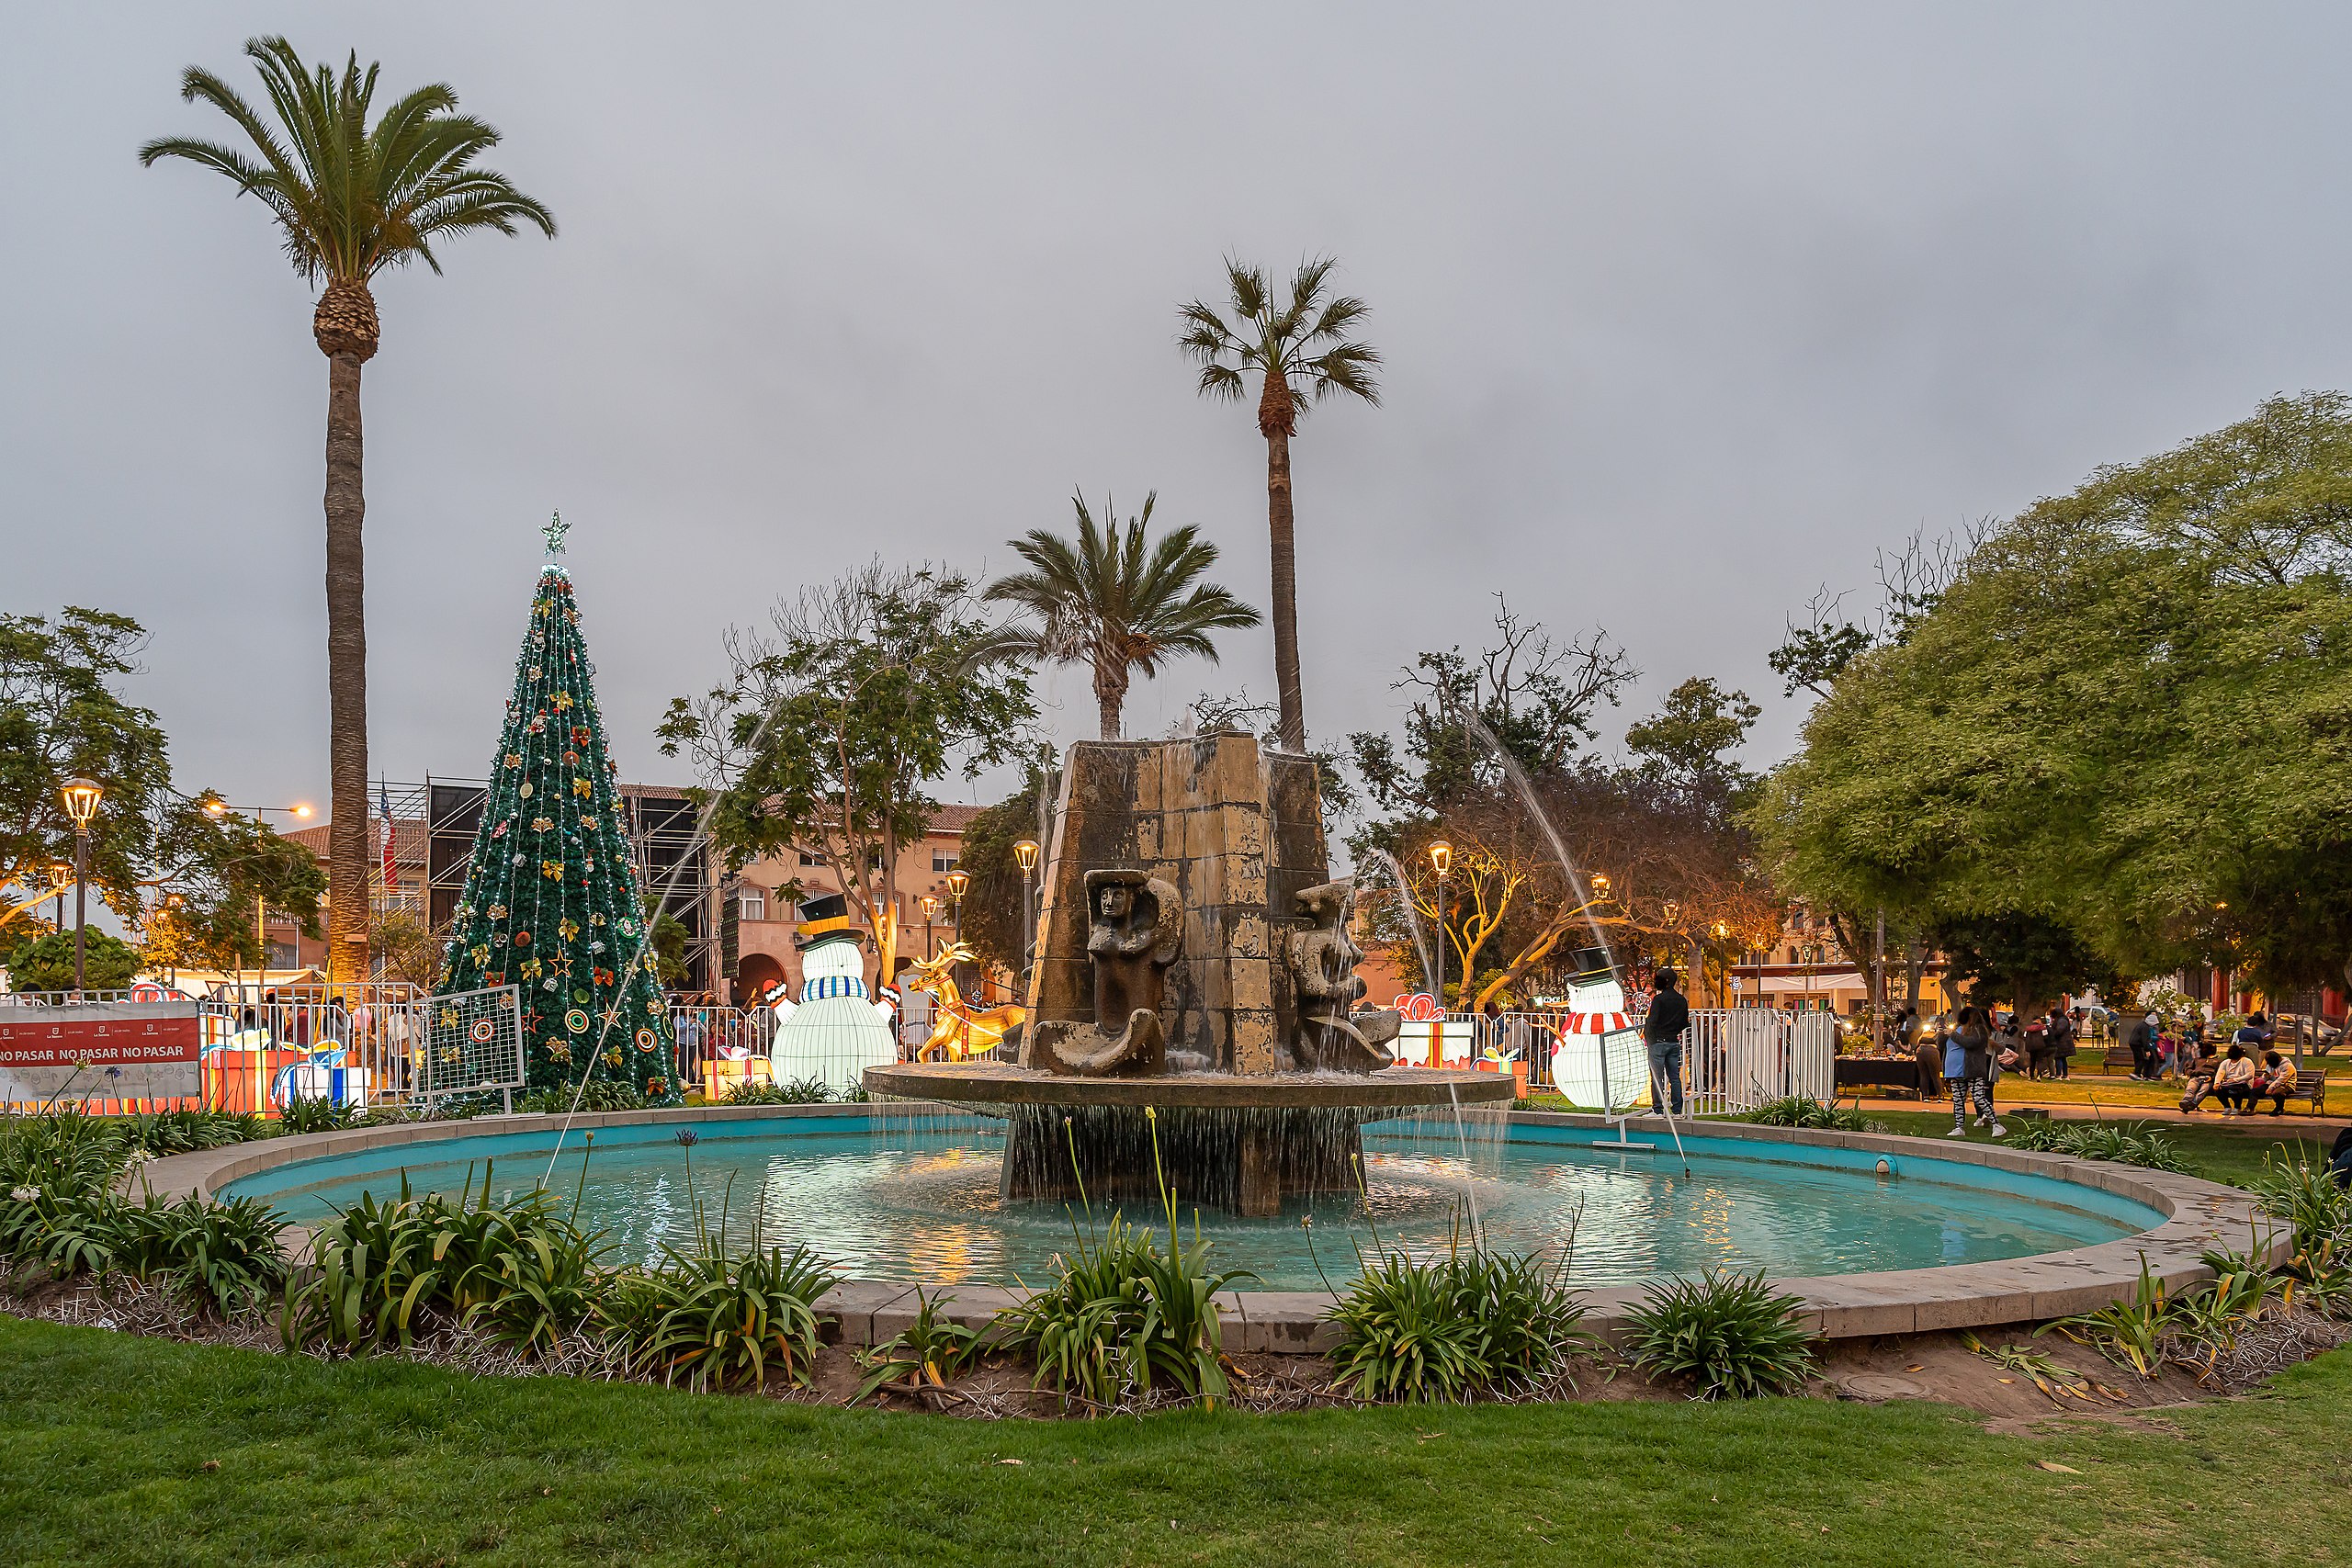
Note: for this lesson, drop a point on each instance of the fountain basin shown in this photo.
(1244, 1144)
(1888, 1257)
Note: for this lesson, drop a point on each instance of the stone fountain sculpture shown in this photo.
(1192, 1014)
(1134, 929)
(1330, 1035)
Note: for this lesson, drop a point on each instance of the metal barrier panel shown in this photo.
(1813, 1057)
(472, 1042)
(367, 1045)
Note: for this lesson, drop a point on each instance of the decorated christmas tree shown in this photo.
(552, 902)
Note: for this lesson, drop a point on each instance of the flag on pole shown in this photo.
(384, 831)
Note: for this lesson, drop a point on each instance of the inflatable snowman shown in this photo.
(1596, 1027)
(837, 1029)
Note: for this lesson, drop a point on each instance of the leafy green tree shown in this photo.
(350, 199)
(1115, 601)
(61, 716)
(2026, 959)
(1537, 698)
(2130, 715)
(46, 962)
(828, 731)
(1302, 351)
(1685, 740)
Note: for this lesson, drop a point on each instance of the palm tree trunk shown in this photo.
(348, 838)
(1279, 528)
(1110, 697)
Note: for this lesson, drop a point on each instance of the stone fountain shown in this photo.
(1192, 1006)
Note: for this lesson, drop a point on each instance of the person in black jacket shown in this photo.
(2339, 1158)
(1662, 1033)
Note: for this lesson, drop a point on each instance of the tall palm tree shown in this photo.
(1115, 601)
(350, 200)
(1301, 354)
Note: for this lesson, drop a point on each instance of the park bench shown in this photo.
(2311, 1084)
(2118, 1060)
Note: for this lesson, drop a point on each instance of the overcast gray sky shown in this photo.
(1686, 309)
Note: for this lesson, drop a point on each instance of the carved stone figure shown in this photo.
(1323, 959)
(1135, 926)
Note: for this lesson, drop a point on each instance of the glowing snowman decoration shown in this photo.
(1596, 1024)
(837, 1029)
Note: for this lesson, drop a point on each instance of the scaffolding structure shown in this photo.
(674, 866)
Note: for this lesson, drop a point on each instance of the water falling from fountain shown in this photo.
(1518, 779)
(1412, 919)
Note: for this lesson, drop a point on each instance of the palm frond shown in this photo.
(351, 198)
(1114, 597)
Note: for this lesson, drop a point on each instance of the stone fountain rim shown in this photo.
(2199, 1215)
(997, 1083)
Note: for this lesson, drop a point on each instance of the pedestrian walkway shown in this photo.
(2076, 1110)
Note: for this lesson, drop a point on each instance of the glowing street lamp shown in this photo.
(81, 797)
(930, 913)
(958, 880)
(217, 809)
(1025, 851)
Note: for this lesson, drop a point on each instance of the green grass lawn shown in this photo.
(104, 1438)
(2217, 1150)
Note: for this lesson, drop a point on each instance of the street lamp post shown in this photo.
(930, 913)
(61, 877)
(1025, 853)
(1441, 860)
(81, 797)
(958, 880)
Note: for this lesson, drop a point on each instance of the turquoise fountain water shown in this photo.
(884, 1198)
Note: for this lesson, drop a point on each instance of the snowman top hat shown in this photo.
(824, 920)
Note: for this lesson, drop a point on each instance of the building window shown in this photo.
(808, 859)
(943, 860)
(752, 904)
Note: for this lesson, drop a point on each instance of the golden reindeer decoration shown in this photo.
(961, 1029)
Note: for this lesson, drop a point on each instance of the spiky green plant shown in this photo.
(2129, 1333)
(1730, 1335)
(932, 1350)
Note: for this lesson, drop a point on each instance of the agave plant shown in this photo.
(375, 1271)
(931, 1351)
(2129, 1333)
(1729, 1334)
(709, 1318)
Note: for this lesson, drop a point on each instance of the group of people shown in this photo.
(2040, 1047)
(2241, 1077)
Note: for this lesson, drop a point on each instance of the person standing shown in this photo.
(2058, 1040)
(2139, 1039)
(1662, 1031)
(1968, 1063)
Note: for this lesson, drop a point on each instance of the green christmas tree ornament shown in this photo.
(552, 903)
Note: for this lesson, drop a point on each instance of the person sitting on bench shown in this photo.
(2276, 1081)
(2196, 1070)
(2233, 1082)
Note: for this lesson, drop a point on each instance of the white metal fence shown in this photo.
(1734, 1059)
